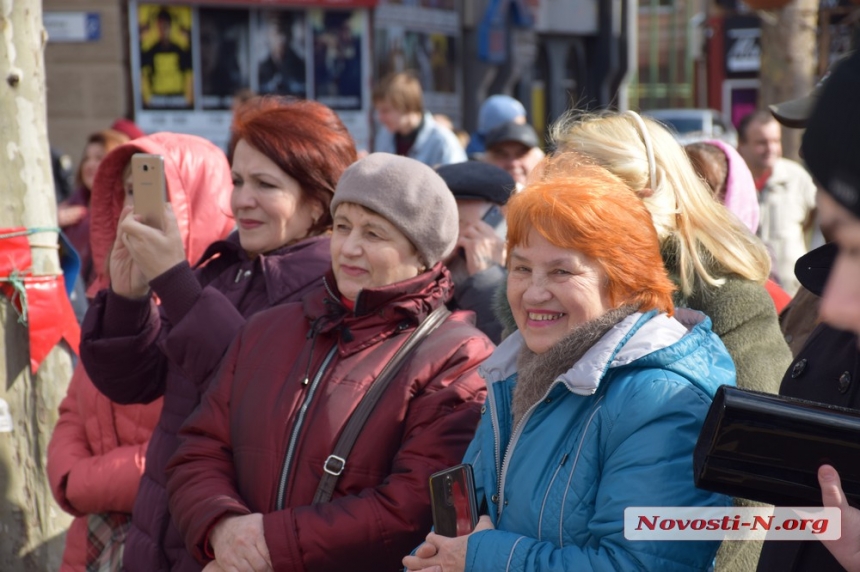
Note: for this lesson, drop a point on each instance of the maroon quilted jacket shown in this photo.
(236, 455)
(135, 353)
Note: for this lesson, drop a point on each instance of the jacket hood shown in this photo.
(741, 195)
(199, 183)
(683, 344)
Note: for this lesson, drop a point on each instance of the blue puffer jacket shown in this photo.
(616, 430)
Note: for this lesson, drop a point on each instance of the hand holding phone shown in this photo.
(150, 190)
(452, 498)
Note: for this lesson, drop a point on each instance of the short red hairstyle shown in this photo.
(586, 208)
(305, 139)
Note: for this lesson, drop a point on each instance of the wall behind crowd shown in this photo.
(87, 81)
(176, 66)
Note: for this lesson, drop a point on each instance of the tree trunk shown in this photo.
(32, 526)
(788, 60)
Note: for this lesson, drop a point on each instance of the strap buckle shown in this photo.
(334, 465)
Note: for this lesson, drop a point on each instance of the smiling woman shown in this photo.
(602, 371)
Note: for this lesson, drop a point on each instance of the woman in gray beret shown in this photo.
(245, 484)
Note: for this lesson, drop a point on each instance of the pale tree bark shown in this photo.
(32, 526)
(788, 60)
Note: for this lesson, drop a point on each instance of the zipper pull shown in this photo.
(238, 276)
(306, 381)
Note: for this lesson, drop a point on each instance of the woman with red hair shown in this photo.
(286, 158)
(595, 403)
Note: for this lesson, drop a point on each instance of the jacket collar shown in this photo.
(424, 131)
(380, 312)
(286, 270)
(632, 338)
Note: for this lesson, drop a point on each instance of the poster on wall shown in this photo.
(188, 63)
(337, 45)
(424, 38)
(166, 73)
(281, 53)
(428, 55)
(224, 56)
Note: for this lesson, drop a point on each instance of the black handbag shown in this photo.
(768, 448)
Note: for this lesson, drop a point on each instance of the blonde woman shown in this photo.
(718, 265)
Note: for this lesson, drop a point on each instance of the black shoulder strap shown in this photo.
(336, 462)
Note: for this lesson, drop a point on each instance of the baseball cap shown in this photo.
(518, 132)
(831, 142)
(498, 110)
(475, 180)
(795, 112)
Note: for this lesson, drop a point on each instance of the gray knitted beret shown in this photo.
(407, 193)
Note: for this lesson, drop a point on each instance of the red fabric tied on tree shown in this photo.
(51, 317)
(48, 311)
(14, 252)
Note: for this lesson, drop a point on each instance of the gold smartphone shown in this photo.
(150, 190)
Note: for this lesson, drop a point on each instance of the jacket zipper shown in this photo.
(297, 427)
(518, 430)
(328, 289)
(494, 418)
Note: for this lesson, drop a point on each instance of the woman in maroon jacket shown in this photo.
(243, 482)
(286, 159)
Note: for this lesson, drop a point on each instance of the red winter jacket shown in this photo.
(235, 448)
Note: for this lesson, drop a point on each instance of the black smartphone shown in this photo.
(493, 216)
(452, 498)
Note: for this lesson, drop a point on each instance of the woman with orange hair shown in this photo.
(595, 403)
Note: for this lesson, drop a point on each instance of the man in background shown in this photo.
(515, 148)
(494, 112)
(786, 194)
(477, 265)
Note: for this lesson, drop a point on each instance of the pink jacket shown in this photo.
(95, 458)
(97, 451)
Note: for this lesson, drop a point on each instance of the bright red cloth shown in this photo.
(779, 296)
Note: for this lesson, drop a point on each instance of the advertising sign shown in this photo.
(743, 46)
(189, 62)
(224, 55)
(166, 72)
(423, 38)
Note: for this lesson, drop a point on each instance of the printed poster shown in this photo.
(166, 72)
(224, 56)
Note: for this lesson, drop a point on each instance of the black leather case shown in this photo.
(768, 448)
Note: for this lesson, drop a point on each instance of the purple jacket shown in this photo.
(135, 352)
